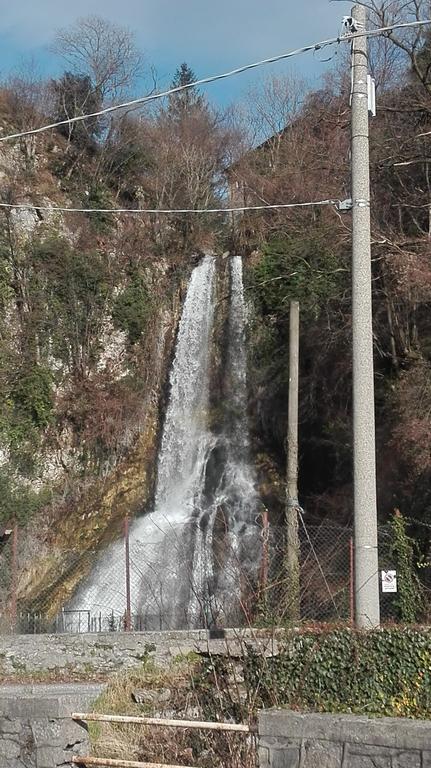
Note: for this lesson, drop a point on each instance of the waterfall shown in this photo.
(159, 541)
(239, 481)
(223, 570)
(181, 575)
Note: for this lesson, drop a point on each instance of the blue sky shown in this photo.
(211, 35)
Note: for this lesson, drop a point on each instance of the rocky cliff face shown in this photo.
(90, 310)
(226, 504)
(97, 517)
(93, 304)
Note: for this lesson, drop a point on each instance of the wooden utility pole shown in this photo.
(367, 609)
(292, 503)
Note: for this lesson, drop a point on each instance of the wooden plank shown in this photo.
(203, 725)
(108, 762)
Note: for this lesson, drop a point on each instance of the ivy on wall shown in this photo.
(386, 672)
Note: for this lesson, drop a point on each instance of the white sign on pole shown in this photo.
(389, 581)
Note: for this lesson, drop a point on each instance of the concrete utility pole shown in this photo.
(367, 609)
(292, 503)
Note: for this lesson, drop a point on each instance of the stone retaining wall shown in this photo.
(292, 740)
(36, 730)
(99, 655)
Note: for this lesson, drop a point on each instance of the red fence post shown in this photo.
(14, 578)
(128, 618)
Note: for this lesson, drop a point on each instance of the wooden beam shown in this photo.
(111, 763)
(203, 725)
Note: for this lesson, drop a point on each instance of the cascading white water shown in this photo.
(235, 499)
(244, 498)
(180, 575)
(159, 541)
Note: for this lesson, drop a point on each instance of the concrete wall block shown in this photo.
(28, 707)
(8, 725)
(264, 757)
(368, 761)
(410, 759)
(9, 748)
(78, 702)
(279, 742)
(370, 756)
(47, 732)
(15, 763)
(371, 749)
(361, 761)
(284, 758)
(38, 731)
(316, 754)
(398, 733)
(381, 732)
(49, 757)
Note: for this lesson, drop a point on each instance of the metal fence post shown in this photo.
(265, 555)
(14, 578)
(128, 617)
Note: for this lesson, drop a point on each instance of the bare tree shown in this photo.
(275, 103)
(305, 158)
(411, 42)
(104, 51)
(28, 100)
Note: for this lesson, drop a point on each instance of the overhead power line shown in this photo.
(168, 211)
(214, 78)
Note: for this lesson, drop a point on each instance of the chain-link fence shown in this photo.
(187, 577)
(325, 592)
(8, 577)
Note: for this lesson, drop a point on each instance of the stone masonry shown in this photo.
(293, 740)
(36, 730)
(99, 655)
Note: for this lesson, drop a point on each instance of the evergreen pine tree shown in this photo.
(188, 102)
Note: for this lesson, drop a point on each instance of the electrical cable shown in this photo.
(168, 211)
(214, 78)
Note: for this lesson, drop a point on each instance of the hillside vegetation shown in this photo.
(90, 301)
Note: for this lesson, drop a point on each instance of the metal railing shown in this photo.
(202, 725)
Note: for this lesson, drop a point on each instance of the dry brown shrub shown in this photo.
(177, 693)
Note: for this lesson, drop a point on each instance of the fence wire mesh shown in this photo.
(8, 578)
(238, 581)
(325, 583)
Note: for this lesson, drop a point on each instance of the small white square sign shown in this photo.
(389, 581)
